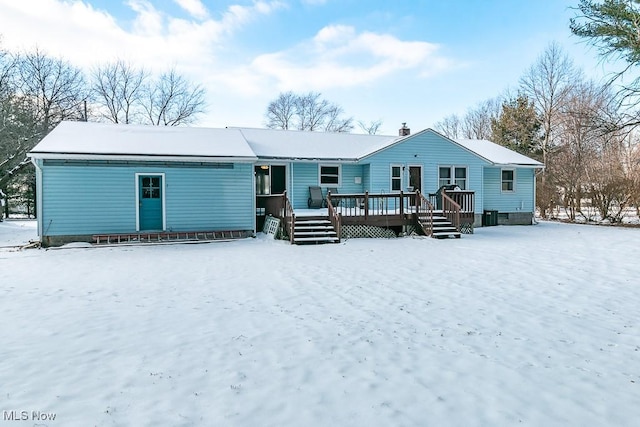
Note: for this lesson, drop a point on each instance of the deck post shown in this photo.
(366, 205)
(283, 210)
(401, 204)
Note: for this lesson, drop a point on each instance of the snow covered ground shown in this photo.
(17, 232)
(529, 325)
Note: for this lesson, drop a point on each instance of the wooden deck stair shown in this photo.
(442, 227)
(314, 230)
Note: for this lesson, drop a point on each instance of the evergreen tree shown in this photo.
(518, 126)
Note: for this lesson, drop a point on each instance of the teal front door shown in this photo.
(150, 202)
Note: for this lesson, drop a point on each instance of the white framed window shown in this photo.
(457, 175)
(330, 175)
(396, 177)
(508, 180)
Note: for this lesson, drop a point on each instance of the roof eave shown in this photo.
(141, 157)
(307, 159)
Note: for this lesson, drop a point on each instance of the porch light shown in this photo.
(264, 167)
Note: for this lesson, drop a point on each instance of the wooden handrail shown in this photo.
(424, 207)
(335, 217)
(451, 210)
(288, 216)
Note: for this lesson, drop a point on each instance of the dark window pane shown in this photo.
(329, 170)
(461, 172)
(146, 182)
(329, 180)
(146, 193)
(155, 182)
(395, 171)
(155, 193)
(507, 175)
(395, 185)
(445, 173)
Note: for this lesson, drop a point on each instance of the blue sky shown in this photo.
(395, 61)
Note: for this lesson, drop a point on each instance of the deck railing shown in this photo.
(424, 213)
(288, 216)
(335, 217)
(451, 210)
(366, 205)
(464, 198)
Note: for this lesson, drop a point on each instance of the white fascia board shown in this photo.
(63, 156)
(305, 160)
(517, 166)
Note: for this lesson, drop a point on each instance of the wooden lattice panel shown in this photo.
(466, 228)
(366, 231)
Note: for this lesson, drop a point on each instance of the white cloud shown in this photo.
(194, 7)
(86, 35)
(338, 56)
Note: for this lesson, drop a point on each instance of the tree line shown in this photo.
(575, 126)
(38, 91)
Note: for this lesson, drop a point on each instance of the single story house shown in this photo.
(105, 179)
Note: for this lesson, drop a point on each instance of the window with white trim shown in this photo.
(396, 177)
(457, 175)
(508, 180)
(329, 175)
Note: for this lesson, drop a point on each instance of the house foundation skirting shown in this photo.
(508, 218)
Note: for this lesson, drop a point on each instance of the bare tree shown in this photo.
(117, 89)
(476, 123)
(335, 122)
(309, 112)
(173, 101)
(281, 111)
(56, 88)
(548, 83)
(372, 128)
(7, 73)
(48, 90)
(578, 131)
(450, 126)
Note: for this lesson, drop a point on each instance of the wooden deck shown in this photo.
(380, 210)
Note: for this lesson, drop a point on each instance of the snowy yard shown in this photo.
(533, 325)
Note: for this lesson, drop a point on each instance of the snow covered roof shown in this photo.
(497, 154)
(291, 144)
(87, 139)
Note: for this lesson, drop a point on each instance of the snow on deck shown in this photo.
(532, 325)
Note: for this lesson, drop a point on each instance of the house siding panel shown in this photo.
(520, 200)
(306, 175)
(431, 151)
(81, 200)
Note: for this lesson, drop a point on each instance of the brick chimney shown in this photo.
(404, 130)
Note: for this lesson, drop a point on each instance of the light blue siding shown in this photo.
(431, 151)
(519, 200)
(306, 175)
(88, 199)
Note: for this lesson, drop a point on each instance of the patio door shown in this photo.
(270, 179)
(150, 203)
(415, 178)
